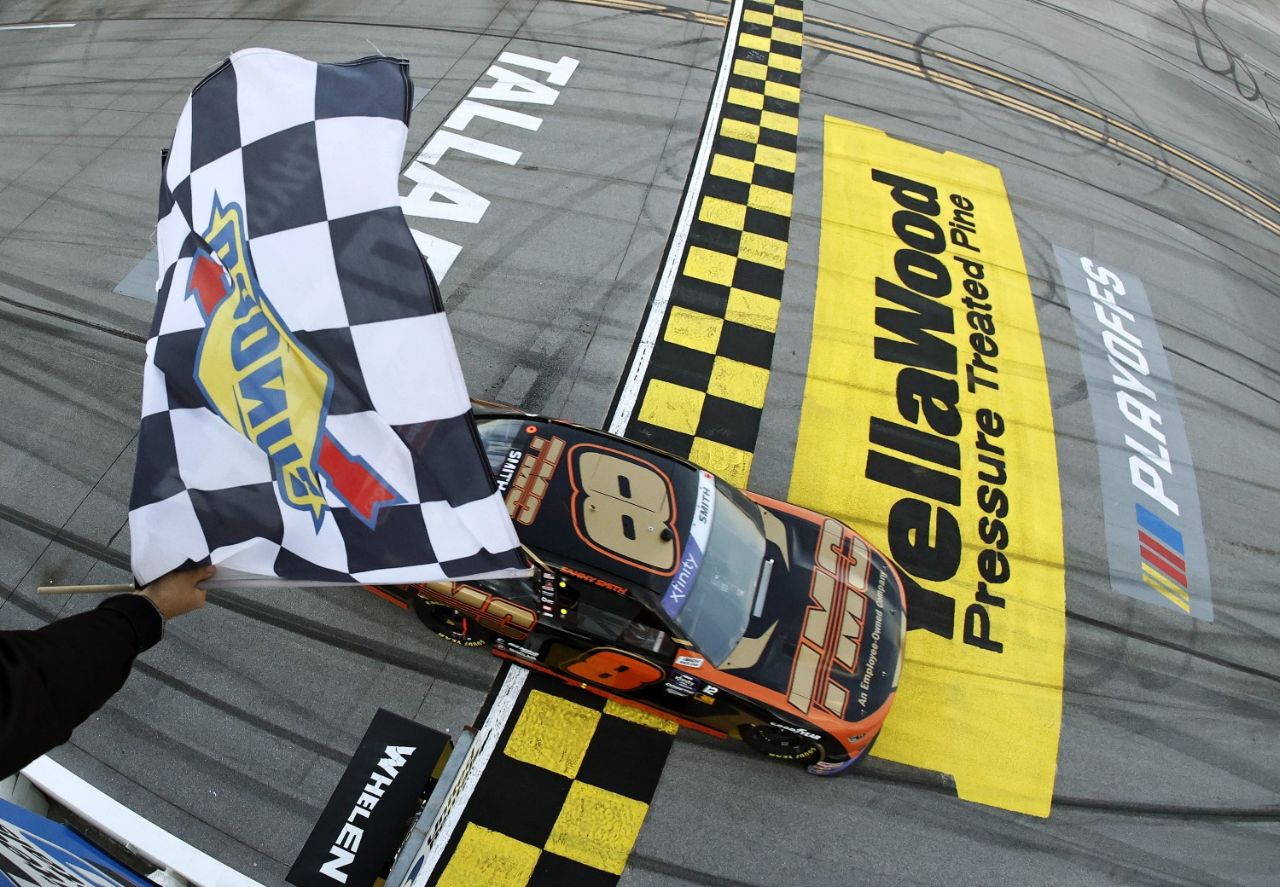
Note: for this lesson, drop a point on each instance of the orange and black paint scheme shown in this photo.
(788, 635)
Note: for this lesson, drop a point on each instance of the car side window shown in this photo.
(498, 436)
(610, 616)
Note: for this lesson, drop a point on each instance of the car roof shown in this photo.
(546, 468)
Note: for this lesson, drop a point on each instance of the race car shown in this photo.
(659, 585)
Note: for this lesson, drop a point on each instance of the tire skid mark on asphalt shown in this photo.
(379, 653)
(198, 759)
(389, 656)
(79, 85)
(1054, 95)
(1029, 109)
(1022, 106)
(683, 872)
(292, 737)
(194, 692)
(283, 619)
(351, 642)
(660, 10)
(77, 321)
(1265, 813)
(939, 783)
(883, 60)
(1174, 646)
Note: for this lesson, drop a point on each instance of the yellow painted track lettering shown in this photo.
(984, 705)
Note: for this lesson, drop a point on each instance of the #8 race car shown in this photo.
(659, 585)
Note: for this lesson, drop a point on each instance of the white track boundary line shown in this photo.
(486, 740)
(37, 27)
(679, 235)
(124, 825)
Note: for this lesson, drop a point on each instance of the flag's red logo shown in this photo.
(267, 385)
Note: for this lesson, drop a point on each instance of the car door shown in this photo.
(608, 637)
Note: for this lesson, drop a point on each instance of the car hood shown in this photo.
(829, 635)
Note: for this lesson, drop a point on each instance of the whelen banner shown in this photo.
(355, 838)
(926, 424)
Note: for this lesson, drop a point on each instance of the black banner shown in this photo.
(370, 810)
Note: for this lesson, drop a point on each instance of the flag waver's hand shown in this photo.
(178, 592)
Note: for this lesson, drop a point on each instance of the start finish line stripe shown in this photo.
(696, 382)
(561, 797)
(926, 424)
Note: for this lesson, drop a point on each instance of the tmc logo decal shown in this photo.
(267, 385)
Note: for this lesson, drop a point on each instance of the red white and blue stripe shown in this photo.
(1164, 566)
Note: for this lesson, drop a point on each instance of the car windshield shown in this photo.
(718, 607)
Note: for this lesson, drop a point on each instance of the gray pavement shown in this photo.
(231, 734)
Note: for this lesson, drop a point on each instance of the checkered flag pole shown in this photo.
(304, 416)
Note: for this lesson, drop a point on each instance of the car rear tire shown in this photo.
(865, 753)
(779, 744)
(826, 768)
(454, 627)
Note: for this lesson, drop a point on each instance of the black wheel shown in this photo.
(780, 744)
(454, 627)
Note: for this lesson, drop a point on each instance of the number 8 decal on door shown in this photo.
(614, 668)
(624, 508)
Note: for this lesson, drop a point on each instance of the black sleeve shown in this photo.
(52, 678)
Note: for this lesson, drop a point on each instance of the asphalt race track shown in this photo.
(1145, 133)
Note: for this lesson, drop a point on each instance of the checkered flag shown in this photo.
(304, 415)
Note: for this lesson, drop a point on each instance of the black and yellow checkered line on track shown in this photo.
(702, 392)
(1219, 185)
(564, 794)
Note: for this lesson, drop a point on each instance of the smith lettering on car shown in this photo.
(927, 396)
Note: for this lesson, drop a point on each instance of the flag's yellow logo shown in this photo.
(257, 375)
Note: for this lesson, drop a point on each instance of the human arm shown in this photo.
(53, 678)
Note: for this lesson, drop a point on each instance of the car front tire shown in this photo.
(779, 744)
(448, 623)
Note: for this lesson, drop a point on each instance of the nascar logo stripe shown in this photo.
(702, 391)
(1155, 538)
(1164, 569)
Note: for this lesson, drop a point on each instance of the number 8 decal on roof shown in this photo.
(624, 508)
